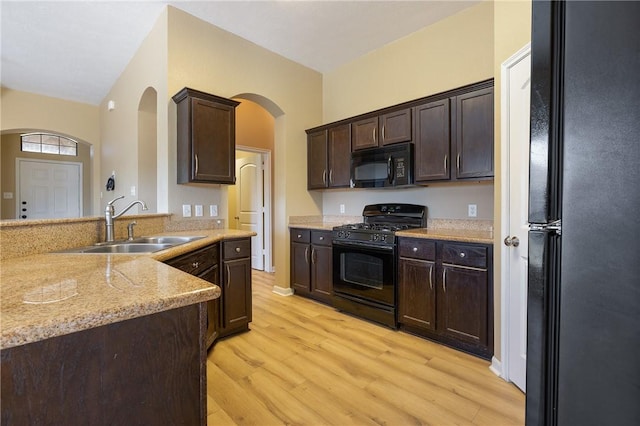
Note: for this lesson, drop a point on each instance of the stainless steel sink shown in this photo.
(163, 240)
(137, 245)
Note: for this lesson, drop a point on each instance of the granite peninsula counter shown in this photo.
(54, 294)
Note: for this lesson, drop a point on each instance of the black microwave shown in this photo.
(387, 166)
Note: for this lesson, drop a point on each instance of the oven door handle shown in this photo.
(364, 245)
(390, 171)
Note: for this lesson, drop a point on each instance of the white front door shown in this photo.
(48, 189)
(249, 204)
(518, 87)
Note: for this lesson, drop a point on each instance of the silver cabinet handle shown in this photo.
(228, 276)
(306, 254)
(458, 162)
(374, 134)
(321, 238)
(444, 280)
(415, 249)
(324, 176)
(299, 235)
(511, 241)
(431, 277)
(313, 256)
(463, 254)
(195, 264)
(196, 164)
(238, 250)
(330, 176)
(445, 163)
(383, 133)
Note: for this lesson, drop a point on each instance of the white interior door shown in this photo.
(48, 189)
(250, 204)
(518, 88)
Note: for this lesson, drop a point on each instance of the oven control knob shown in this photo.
(383, 238)
(347, 234)
(376, 237)
(340, 234)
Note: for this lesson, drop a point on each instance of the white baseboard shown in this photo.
(496, 367)
(282, 291)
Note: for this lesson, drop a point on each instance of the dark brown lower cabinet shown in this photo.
(143, 371)
(312, 264)
(236, 286)
(446, 293)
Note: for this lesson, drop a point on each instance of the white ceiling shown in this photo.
(77, 49)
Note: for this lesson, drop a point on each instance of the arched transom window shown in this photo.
(48, 143)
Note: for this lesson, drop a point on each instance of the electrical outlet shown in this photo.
(473, 210)
(198, 209)
(133, 191)
(342, 209)
(213, 210)
(186, 210)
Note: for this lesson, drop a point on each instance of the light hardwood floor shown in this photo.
(304, 363)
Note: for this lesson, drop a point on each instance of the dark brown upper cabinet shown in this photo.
(329, 157)
(206, 137)
(432, 141)
(385, 129)
(474, 134)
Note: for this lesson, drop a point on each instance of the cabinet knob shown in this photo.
(237, 249)
(462, 254)
(415, 249)
(195, 264)
(299, 235)
(321, 238)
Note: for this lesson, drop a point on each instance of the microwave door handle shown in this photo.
(390, 171)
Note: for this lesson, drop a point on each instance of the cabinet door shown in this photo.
(474, 134)
(322, 272)
(300, 270)
(364, 133)
(340, 156)
(236, 293)
(213, 306)
(463, 305)
(416, 293)
(317, 174)
(433, 142)
(213, 142)
(395, 127)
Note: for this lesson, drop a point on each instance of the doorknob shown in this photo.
(511, 241)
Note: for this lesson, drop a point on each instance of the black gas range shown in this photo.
(365, 261)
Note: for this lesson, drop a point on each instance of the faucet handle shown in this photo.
(130, 230)
(110, 203)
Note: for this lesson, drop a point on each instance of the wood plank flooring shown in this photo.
(305, 363)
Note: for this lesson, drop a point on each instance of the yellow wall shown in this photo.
(450, 53)
(119, 130)
(23, 111)
(210, 59)
(512, 29)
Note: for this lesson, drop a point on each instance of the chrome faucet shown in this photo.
(109, 215)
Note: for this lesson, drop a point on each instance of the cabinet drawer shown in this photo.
(417, 248)
(198, 261)
(236, 249)
(300, 235)
(465, 255)
(321, 238)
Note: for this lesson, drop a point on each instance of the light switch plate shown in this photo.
(473, 210)
(342, 209)
(213, 210)
(186, 210)
(198, 209)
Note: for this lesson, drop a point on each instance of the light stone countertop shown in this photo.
(53, 294)
(470, 231)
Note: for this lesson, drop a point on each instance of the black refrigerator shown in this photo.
(583, 308)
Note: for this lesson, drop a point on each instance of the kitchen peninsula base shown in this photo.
(146, 370)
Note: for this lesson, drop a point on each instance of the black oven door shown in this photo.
(364, 272)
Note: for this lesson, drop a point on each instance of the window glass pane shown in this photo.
(31, 147)
(50, 149)
(68, 150)
(67, 142)
(31, 138)
(51, 140)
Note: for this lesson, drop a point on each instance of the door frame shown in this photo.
(265, 156)
(501, 368)
(20, 160)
